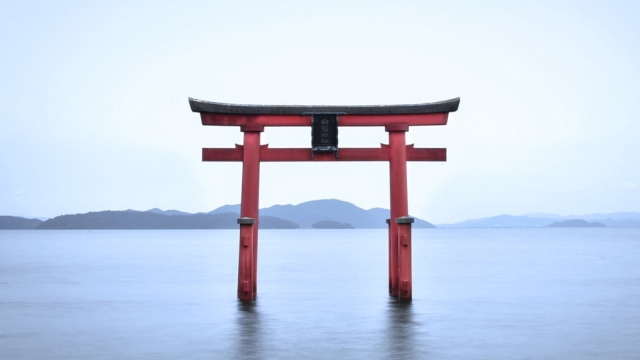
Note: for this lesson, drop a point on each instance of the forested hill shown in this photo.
(332, 210)
(18, 223)
(151, 220)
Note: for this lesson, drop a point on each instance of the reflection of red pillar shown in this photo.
(249, 207)
(399, 201)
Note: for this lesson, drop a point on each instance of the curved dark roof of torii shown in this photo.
(202, 106)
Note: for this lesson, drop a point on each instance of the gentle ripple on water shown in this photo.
(478, 294)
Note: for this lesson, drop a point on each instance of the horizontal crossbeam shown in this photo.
(304, 154)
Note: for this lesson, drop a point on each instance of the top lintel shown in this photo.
(201, 106)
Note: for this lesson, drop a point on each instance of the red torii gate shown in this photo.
(323, 121)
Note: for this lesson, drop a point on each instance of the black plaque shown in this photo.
(324, 133)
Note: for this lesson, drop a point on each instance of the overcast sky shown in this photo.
(94, 112)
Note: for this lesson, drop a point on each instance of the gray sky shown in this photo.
(94, 112)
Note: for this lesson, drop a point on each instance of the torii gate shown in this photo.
(323, 121)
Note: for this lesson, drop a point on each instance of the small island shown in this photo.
(330, 225)
(575, 223)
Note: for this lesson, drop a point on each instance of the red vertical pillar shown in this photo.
(399, 200)
(391, 271)
(246, 262)
(249, 209)
(405, 286)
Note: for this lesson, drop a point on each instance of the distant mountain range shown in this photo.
(311, 214)
(544, 220)
(321, 213)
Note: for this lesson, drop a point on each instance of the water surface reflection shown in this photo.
(480, 293)
(402, 329)
(249, 342)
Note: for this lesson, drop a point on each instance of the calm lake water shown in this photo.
(322, 294)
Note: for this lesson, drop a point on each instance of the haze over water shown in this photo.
(478, 294)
